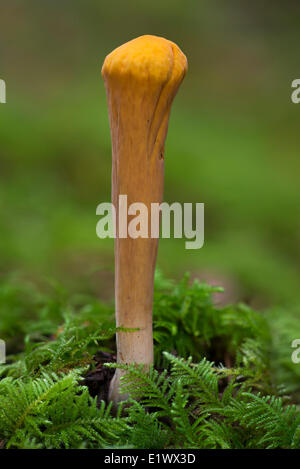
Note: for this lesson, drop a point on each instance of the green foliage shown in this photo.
(55, 333)
(196, 410)
(224, 397)
(53, 412)
(186, 321)
(284, 325)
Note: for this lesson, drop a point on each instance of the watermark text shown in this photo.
(2, 91)
(2, 352)
(137, 221)
(295, 96)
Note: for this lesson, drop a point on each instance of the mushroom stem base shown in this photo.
(133, 347)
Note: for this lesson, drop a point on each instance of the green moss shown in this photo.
(214, 384)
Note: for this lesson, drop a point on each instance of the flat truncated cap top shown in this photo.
(149, 58)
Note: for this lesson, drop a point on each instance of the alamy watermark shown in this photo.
(2, 91)
(295, 96)
(134, 221)
(296, 353)
(2, 352)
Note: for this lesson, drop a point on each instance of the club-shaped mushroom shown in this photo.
(141, 80)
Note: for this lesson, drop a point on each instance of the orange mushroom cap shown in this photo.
(147, 58)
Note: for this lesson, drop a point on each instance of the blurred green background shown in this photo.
(232, 141)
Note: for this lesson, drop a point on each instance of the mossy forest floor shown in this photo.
(223, 377)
